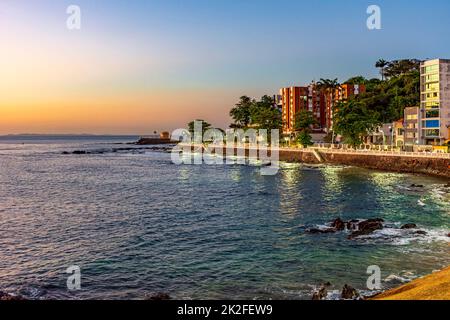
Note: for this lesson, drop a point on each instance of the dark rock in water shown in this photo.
(65, 152)
(421, 232)
(7, 297)
(321, 294)
(417, 186)
(155, 141)
(352, 224)
(409, 226)
(366, 227)
(338, 224)
(349, 293)
(79, 152)
(448, 235)
(158, 296)
(321, 231)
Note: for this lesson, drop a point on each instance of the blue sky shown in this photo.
(227, 47)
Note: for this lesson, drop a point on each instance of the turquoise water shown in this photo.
(135, 224)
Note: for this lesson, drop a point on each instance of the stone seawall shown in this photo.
(423, 165)
(435, 166)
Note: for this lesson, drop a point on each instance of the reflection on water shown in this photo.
(332, 183)
(136, 223)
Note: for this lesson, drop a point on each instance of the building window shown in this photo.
(432, 68)
(432, 114)
(432, 133)
(432, 124)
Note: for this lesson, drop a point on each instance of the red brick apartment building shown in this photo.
(319, 101)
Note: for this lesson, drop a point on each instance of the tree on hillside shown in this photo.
(241, 113)
(353, 120)
(371, 84)
(398, 68)
(356, 80)
(381, 64)
(389, 98)
(303, 122)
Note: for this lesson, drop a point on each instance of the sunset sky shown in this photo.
(138, 66)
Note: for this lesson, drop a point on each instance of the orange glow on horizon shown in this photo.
(138, 113)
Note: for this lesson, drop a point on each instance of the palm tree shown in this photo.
(329, 86)
(381, 64)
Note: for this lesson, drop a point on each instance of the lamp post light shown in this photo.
(391, 131)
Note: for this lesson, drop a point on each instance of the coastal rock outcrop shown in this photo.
(366, 227)
(338, 224)
(356, 228)
(349, 293)
(409, 226)
(158, 296)
(321, 294)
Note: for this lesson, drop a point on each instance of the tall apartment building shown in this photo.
(434, 115)
(294, 99)
(315, 99)
(317, 105)
(411, 126)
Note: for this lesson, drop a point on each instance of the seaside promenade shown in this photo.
(429, 163)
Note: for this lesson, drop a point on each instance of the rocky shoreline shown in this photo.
(358, 228)
(433, 287)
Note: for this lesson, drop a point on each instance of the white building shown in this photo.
(434, 112)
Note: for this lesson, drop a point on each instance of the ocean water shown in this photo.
(137, 224)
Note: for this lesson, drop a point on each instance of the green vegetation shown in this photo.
(328, 85)
(241, 113)
(383, 102)
(205, 126)
(381, 64)
(250, 113)
(353, 120)
(303, 122)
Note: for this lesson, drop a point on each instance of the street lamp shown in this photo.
(392, 135)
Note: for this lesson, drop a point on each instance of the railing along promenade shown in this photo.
(342, 149)
(336, 149)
